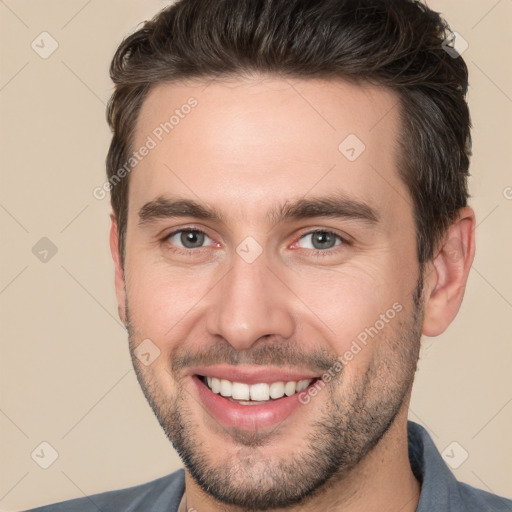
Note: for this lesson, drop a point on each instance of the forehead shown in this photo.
(251, 143)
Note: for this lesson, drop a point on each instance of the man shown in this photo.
(288, 182)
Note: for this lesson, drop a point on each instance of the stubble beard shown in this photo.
(354, 419)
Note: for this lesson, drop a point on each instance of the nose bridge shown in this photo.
(250, 302)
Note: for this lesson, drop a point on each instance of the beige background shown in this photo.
(66, 377)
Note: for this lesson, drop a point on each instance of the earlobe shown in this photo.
(448, 274)
(118, 270)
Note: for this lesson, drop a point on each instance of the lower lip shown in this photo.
(246, 417)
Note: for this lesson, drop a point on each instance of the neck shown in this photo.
(382, 482)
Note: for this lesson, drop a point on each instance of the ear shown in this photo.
(448, 274)
(118, 269)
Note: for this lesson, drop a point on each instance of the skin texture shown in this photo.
(250, 146)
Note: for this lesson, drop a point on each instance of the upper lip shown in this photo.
(252, 374)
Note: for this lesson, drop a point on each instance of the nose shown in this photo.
(250, 302)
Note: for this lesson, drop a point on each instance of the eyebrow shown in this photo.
(332, 206)
(164, 208)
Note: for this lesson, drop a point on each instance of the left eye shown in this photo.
(320, 240)
(189, 238)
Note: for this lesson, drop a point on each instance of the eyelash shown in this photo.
(326, 252)
(316, 252)
(183, 250)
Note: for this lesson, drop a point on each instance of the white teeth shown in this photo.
(277, 390)
(215, 385)
(260, 392)
(241, 391)
(290, 388)
(302, 385)
(225, 388)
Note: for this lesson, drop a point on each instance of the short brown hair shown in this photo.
(398, 44)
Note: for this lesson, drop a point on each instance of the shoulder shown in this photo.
(165, 491)
(477, 500)
(440, 490)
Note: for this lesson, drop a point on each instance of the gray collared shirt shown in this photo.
(440, 491)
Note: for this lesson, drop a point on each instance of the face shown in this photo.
(271, 275)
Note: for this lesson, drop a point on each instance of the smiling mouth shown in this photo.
(254, 394)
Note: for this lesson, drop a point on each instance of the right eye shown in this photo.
(188, 238)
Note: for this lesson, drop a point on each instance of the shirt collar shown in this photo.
(439, 488)
(438, 485)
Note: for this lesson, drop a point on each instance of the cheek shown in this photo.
(162, 300)
(358, 303)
